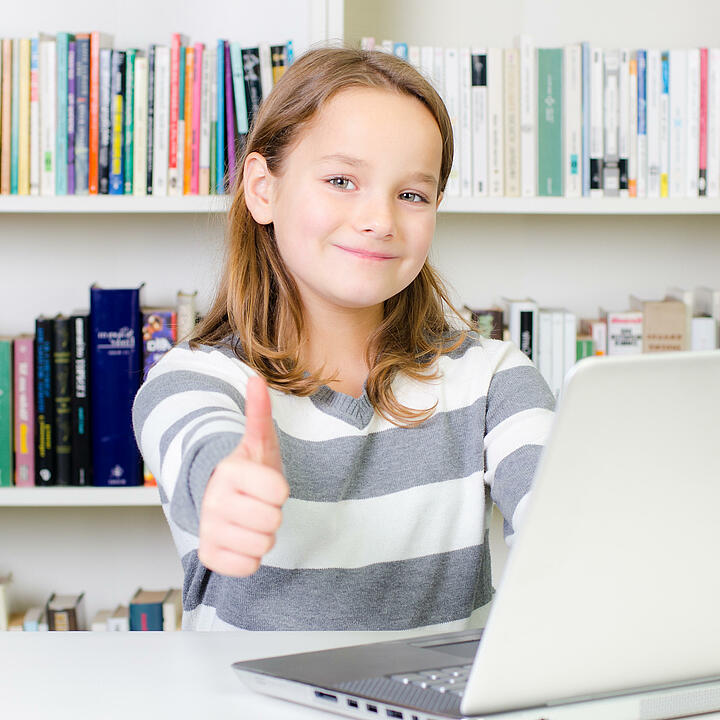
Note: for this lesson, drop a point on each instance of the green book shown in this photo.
(129, 124)
(584, 348)
(213, 152)
(550, 119)
(6, 413)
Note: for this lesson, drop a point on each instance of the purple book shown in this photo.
(71, 118)
(230, 116)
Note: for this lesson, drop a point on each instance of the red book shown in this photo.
(702, 160)
(197, 106)
(189, 87)
(24, 409)
(174, 181)
(97, 40)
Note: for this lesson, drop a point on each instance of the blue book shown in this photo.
(642, 166)
(220, 144)
(116, 172)
(15, 104)
(115, 374)
(401, 50)
(238, 76)
(586, 118)
(146, 610)
(61, 137)
(290, 59)
(82, 113)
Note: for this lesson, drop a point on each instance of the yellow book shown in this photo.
(24, 119)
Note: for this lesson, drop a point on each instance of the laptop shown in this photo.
(610, 599)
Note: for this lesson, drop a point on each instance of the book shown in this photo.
(572, 120)
(707, 302)
(105, 121)
(664, 129)
(6, 411)
(521, 317)
(66, 612)
(44, 402)
(100, 621)
(48, 113)
(611, 108)
(115, 362)
(129, 122)
(159, 334)
(451, 97)
(161, 120)
(702, 333)
(172, 610)
(15, 622)
(24, 407)
(278, 58)
(177, 41)
(146, 610)
(35, 620)
(478, 95)
(550, 120)
(117, 123)
(119, 621)
(15, 104)
(642, 147)
(664, 324)
(5, 581)
(230, 138)
(489, 321)
(82, 113)
(98, 41)
(200, 59)
(528, 116)
(189, 99)
(81, 466)
(545, 345)
(220, 167)
(72, 89)
(206, 111)
(465, 122)
(140, 125)
(678, 121)
(692, 152)
(596, 122)
(6, 120)
(624, 332)
(62, 439)
(654, 91)
(702, 155)
(633, 129)
(624, 133)
(496, 141)
(24, 119)
(150, 125)
(511, 118)
(584, 347)
(186, 314)
(61, 141)
(242, 117)
(713, 123)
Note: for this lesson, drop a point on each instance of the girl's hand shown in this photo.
(240, 511)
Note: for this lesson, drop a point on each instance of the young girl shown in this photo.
(327, 445)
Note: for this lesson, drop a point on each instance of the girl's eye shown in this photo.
(341, 182)
(413, 197)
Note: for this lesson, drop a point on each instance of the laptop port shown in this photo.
(372, 708)
(353, 703)
(325, 696)
(394, 714)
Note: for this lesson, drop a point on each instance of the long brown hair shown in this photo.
(258, 311)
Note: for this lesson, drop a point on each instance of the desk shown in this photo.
(139, 675)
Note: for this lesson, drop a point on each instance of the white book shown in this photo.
(713, 125)
(452, 103)
(611, 122)
(414, 56)
(172, 610)
(703, 334)
(654, 77)
(5, 581)
(624, 332)
(496, 140)
(367, 43)
(686, 296)
(161, 123)
(35, 122)
(511, 120)
(119, 621)
(569, 342)
(522, 321)
(572, 119)
(558, 346)
(479, 123)
(545, 345)
(465, 123)
(678, 121)
(693, 122)
(633, 129)
(140, 110)
(596, 122)
(528, 117)
(664, 123)
(386, 46)
(209, 59)
(624, 133)
(100, 621)
(642, 158)
(266, 74)
(47, 58)
(427, 63)
(175, 174)
(707, 302)
(439, 70)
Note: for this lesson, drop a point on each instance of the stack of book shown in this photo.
(577, 120)
(79, 117)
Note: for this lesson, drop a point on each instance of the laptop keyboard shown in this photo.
(445, 680)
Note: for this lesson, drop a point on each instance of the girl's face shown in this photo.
(354, 206)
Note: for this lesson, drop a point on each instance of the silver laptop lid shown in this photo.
(614, 579)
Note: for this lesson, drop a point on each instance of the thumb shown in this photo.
(260, 443)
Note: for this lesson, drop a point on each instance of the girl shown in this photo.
(327, 380)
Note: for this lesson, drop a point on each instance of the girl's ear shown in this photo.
(257, 183)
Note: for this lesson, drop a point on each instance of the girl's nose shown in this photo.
(376, 219)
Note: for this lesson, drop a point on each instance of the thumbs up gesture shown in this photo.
(240, 511)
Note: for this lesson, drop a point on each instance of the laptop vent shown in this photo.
(678, 704)
(391, 691)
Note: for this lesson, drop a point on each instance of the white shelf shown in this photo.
(104, 204)
(78, 496)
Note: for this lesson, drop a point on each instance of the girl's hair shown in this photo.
(257, 310)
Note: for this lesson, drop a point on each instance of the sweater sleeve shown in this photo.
(519, 415)
(187, 416)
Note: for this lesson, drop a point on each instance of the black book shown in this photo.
(253, 87)
(44, 406)
(61, 385)
(80, 402)
(151, 117)
(104, 121)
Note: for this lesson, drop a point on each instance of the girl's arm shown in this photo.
(518, 418)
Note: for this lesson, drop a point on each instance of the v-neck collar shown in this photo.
(355, 411)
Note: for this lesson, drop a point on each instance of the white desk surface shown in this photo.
(138, 675)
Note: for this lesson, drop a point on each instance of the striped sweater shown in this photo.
(386, 528)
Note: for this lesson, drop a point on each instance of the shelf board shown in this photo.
(104, 204)
(78, 496)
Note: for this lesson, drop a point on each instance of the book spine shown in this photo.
(238, 81)
(6, 412)
(452, 102)
(24, 386)
(266, 70)
(61, 138)
(82, 115)
(24, 119)
(48, 116)
(44, 403)
(140, 112)
(611, 163)
(80, 402)
(253, 86)
(220, 121)
(34, 117)
(511, 117)
(94, 115)
(212, 179)
(693, 122)
(702, 155)
(277, 57)
(180, 142)
(63, 417)
(197, 119)
(438, 73)
(6, 128)
(596, 123)
(117, 124)
(557, 343)
(150, 121)
(713, 124)
(654, 79)
(528, 117)
(173, 177)
(624, 128)
(572, 129)
(229, 119)
(15, 100)
(115, 362)
(479, 120)
(188, 114)
(204, 170)
(545, 339)
(161, 120)
(632, 131)
(642, 166)
(550, 111)
(146, 617)
(105, 126)
(496, 141)
(665, 125)
(678, 122)
(466, 124)
(129, 122)
(72, 91)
